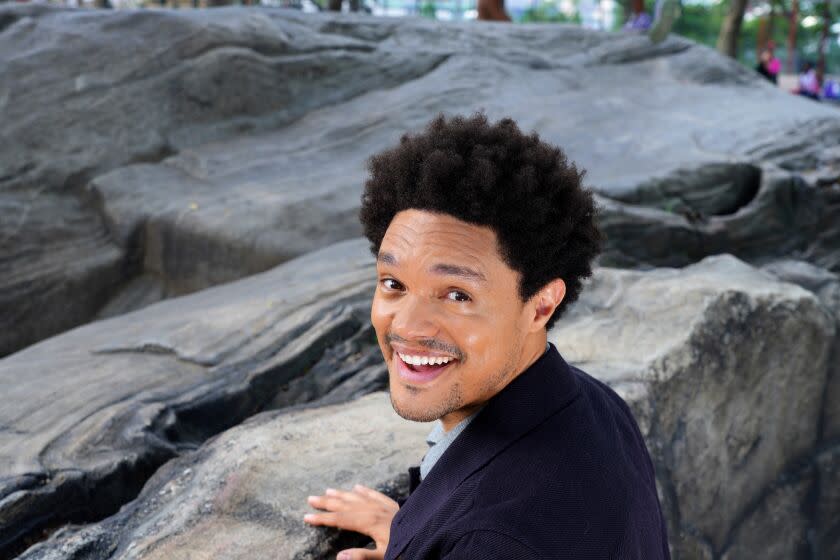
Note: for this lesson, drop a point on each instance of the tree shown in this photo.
(492, 10)
(826, 24)
(793, 26)
(730, 31)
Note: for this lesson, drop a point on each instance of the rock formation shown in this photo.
(197, 148)
(89, 415)
(150, 155)
(243, 495)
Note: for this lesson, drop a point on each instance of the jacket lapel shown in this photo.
(540, 391)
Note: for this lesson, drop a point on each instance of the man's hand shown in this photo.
(363, 510)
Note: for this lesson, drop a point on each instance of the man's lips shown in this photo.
(423, 373)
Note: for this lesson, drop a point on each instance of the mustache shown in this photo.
(430, 343)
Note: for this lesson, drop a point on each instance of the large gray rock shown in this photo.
(243, 495)
(828, 504)
(87, 417)
(702, 355)
(826, 286)
(778, 527)
(724, 367)
(239, 140)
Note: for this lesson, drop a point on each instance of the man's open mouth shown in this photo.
(423, 368)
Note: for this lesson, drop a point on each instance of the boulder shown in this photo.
(88, 416)
(826, 286)
(703, 356)
(778, 527)
(243, 495)
(828, 504)
(237, 138)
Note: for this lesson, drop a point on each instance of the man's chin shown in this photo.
(412, 411)
(416, 405)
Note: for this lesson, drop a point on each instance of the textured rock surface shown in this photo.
(828, 504)
(702, 355)
(238, 140)
(243, 495)
(778, 528)
(87, 416)
(826, 286)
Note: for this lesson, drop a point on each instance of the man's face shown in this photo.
(448, 316)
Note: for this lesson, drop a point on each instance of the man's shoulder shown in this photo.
(585, 469)
(591, 449)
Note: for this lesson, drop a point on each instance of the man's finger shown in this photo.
(359, 554)
(352, 521)
(378, 496)
(341, 494)
(329, 503)
(322, 519)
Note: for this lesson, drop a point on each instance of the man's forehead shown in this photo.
(440, 233)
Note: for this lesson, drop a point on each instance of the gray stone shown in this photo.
(87, 416)
(57, 263)
(828, 504)
(826, 286)
(239, 140)
(243, 495)
(778, 527)
(702, 355)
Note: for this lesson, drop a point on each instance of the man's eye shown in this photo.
(456, 295)
(391, 284)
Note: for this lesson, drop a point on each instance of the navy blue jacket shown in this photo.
(553, 467)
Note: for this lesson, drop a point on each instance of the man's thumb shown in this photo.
(359, 554)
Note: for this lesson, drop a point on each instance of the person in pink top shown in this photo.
(768, 65)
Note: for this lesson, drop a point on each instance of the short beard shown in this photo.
(453, 401)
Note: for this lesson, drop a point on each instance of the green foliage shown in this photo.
(547, 12)
(702, 22)
(428, 9)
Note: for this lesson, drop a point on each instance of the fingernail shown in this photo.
(331, 491)
(309, 517)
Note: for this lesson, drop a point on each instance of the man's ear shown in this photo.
(545, 302)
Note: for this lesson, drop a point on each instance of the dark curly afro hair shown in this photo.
(492, 175)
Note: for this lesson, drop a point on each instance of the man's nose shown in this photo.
(415, 318)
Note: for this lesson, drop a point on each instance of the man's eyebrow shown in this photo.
(457, 270)
(386, 258)
(442, 269)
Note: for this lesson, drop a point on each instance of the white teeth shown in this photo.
(425, 360)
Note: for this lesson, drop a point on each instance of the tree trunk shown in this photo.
(637, 7)
(334, 5)
(761, 35)
(730, 30)
(793, 23)
(823, 41)
(492, 10)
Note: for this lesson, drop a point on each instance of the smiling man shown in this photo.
(483, 235)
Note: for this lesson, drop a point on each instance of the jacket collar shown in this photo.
(537, 393)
